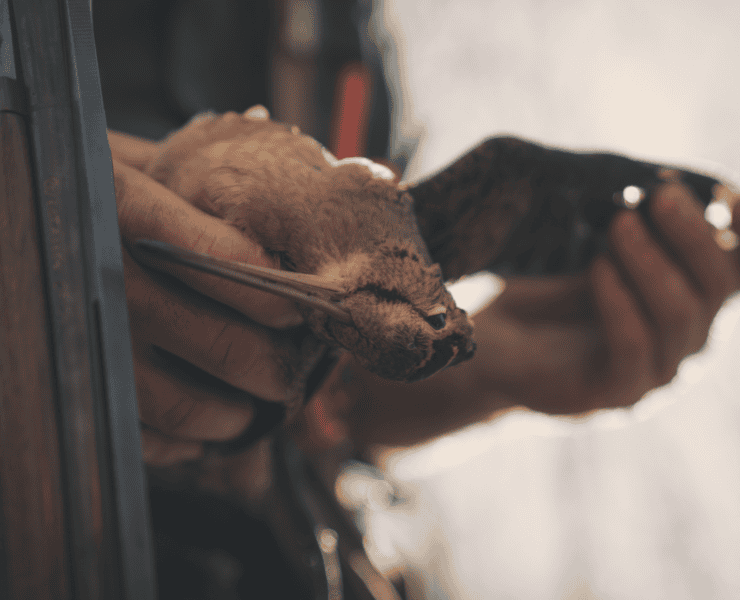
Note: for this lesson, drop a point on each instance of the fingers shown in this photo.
(680, 219)
(160, 451)
(147, 209)
(670, 302)
(133, 151)
(626, 366)
(188, 406)
(165, 314)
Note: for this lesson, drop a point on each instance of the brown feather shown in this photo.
(329, 218)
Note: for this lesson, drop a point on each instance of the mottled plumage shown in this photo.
(508, 206)
(345, 220)
(514, 207)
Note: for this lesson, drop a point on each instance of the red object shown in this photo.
(351, 111)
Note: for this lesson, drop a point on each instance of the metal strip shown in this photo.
(102, 246)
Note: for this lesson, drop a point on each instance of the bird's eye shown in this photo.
(437, 321)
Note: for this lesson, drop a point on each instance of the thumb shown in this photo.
(147, 209)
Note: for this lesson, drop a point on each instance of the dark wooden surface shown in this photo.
(32, 526)
(84, 466)
(40, 30)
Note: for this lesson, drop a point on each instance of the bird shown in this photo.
(368, 258)
(516, 207)
(344, 232)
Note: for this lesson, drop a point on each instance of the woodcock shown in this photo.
(367, 258)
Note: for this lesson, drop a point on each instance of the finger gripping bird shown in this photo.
(343, 231)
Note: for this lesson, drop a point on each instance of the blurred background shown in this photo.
(628, 504)
(641, 503)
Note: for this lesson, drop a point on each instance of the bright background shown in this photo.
(641, 503)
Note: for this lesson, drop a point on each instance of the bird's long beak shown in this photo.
(320, 293)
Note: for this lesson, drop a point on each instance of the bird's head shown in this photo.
(405, 324)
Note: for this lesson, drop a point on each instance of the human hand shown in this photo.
(606, 339)
(203, 347)
(560, 345)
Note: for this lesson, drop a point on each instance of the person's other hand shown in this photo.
(606, 340)
(203, 347)
(560, 345)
